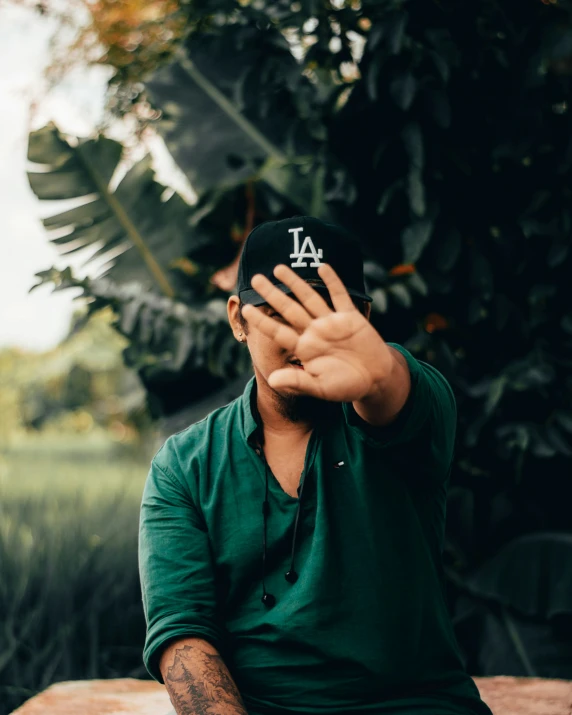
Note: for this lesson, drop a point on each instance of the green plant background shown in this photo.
(440, 136)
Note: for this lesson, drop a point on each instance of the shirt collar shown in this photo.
(250, 417)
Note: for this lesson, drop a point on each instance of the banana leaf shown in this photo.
(532, 575)
(229, 114)
(137, 234)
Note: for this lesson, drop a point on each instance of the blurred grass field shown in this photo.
(70, 604)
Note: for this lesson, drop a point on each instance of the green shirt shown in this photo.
(365, 628)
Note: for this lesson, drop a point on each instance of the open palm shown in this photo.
(343, 356)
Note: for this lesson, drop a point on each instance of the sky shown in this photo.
(36, 321)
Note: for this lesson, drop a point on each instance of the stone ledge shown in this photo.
(127, 696)
(526, 696)
(122, 696)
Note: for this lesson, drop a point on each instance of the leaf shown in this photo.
(413, 143)
(448, 250)
(531, 574)
(376, 35)
(518, 646)
(133, 220)
(540, 447)
(386, 196)
(525, 376)
(417, 283)
(219, 141)
(81, 216)
(395, 33)
(441, 65)
(414, 239)
(379, 298)
(402, 90)
(416, 192)
(496, 391)
(515, 435)
(558, 441)
(510, 625)
(48, 147)
(374, 272)
(401, 294)
(372, 77)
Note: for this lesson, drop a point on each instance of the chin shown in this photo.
(285, 393)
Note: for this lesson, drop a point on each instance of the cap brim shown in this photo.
(251, 297)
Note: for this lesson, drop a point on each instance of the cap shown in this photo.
(303, 243)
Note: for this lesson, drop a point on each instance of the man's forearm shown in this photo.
(198, 681)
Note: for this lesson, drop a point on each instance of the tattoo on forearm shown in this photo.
(199, 683)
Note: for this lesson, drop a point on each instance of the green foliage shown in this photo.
(137, 232)
(166, 337)
(256, 133)
(80, 386)
(70, 602)
(440, 136)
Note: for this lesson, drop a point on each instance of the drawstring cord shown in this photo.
(267, 598)
(291, 575)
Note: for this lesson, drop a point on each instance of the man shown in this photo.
(290, 547)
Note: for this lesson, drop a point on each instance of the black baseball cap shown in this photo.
(303, 243)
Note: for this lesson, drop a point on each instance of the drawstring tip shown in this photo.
(268, 600)
(291, 576)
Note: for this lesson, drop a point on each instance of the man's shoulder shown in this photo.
(197, 439)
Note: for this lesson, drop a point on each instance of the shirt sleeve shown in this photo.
(426, 425)
(175, 566)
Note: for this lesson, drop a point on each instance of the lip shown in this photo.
(294, 364)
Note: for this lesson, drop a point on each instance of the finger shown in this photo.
(295, 380)
(341, 299)
(308, 297)
(284, 335)
(289, 309)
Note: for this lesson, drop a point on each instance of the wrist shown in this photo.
(388, 393)
(386, 369)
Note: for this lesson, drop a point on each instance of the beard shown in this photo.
(300, 408)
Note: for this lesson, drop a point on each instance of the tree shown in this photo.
(440, 136)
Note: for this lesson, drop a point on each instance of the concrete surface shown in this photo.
(504, 695)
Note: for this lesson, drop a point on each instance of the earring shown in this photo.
(240, 338)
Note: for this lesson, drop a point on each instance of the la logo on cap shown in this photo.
(308, 251)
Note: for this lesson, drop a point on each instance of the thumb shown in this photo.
(299, 381)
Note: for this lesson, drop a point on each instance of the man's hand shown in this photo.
(344, 358)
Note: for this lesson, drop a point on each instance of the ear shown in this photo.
(232, 307)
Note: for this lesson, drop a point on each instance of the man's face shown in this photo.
(267, 355)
